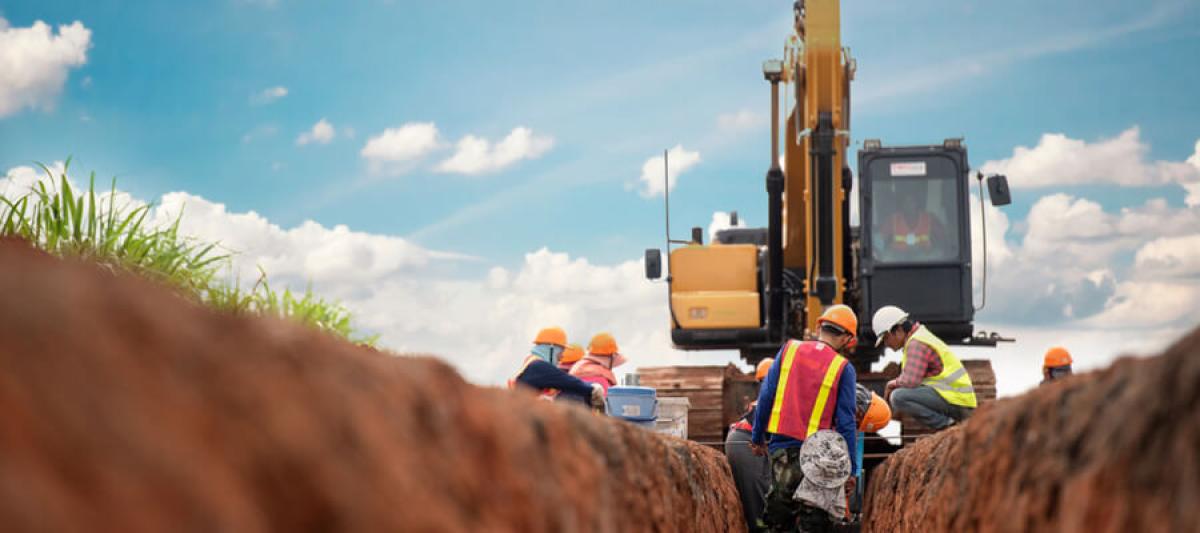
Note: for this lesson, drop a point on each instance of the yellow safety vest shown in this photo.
(953, 383)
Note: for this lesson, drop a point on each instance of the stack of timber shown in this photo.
(718, 395)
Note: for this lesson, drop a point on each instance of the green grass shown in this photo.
(99, 228)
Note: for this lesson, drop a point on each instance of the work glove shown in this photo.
(597, 398)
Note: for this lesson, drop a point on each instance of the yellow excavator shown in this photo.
(753, 288)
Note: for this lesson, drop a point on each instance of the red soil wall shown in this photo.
(124, 407)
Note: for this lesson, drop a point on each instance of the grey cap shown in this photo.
(825, 463)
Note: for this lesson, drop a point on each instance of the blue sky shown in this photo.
(170, 98)
(171, 85)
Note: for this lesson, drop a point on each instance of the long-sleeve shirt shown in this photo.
(920, 362)
(844, 421)
(542, 375)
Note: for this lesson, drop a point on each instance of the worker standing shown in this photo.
(751, 472)
(809, 388)
(539, 372)
(597, 366)
(1056, 365)
(933, 386)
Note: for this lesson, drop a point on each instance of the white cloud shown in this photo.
(1170, 257)
(269, 95)
(722, 220)
(35, 62)
(1193, 189)
(1122, 160)
(482, 323)
(309, 251)
(740, 120)
(322, 132)
(494, 318)
(1066, 267)
(679, 159)
(396, 147)
(476, 155)
(1074, 261)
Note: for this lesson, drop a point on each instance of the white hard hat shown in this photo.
(886, 318)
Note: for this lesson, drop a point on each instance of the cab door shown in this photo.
(915, 227)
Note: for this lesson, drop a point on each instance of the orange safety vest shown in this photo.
(806, 394)
(591, 370)
(918, 236)
(545, 394)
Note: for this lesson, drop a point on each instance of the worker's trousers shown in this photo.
(928, 407)
(751, 475)
(783, 512)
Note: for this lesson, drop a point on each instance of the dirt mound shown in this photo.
(124, 407)
(1116, 450)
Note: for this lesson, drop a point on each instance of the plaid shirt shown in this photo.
(922, 362)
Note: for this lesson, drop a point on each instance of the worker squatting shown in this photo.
(795, 453)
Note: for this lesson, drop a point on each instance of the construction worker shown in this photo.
(912, 230)
(570, 356)
(871, 410)
(596, 367)
(1056, 365)
(751, 472)
(809, 388)
(539, 372)
(933, 386)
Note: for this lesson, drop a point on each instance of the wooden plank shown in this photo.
(681, 382)
(697, 399)
(705, 422)
(667, 378)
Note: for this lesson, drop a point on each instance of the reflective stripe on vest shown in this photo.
(904, 237)
(953, 384)
(807, 374)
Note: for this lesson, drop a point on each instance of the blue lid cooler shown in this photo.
(638, 405)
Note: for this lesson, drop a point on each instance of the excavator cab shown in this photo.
(916, 234)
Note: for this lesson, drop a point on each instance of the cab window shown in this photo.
(914, 219)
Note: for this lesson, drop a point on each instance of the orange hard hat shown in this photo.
(877, 415)
(842, 316)
(554, 335)
(1057, 356)
(763, 367)
(603, 344)
(573, 353)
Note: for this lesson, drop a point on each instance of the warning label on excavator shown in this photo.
(910, 168)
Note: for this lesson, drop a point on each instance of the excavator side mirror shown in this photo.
(653, 263)
(998, 190)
